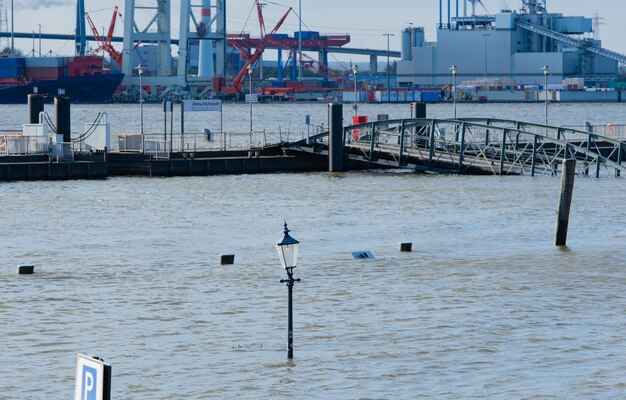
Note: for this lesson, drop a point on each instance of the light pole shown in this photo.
(485, 35)
(12, 29)
(355, 73)
(140, 72)
(287, 250)
(300, 40)
(388, 84)
(454, 71)
(250, 97)
(546, 71)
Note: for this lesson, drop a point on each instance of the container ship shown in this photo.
(83, 79)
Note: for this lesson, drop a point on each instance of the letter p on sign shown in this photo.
(90, 376)
(93, 380)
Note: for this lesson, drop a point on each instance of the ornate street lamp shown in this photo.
(140, 72)
(355, 73)
(287, 250)
(546, 71)
(250, 70)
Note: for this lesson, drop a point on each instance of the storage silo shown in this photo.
(406, 44)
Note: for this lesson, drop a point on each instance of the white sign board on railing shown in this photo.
(93, 379)
(252, 98)
(202, 105)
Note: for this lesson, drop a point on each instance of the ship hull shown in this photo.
(79, 89)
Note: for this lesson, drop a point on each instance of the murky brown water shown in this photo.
(485, 306)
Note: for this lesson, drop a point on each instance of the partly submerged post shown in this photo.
(565, 201)
(62, 117)
(335, 138)
(418, 110)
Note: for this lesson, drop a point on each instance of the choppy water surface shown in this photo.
(485, 306)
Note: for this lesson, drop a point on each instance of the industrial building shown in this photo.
(509, 46)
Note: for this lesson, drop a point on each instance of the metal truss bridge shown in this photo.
(474, 146)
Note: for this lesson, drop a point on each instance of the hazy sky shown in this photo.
(365, 20)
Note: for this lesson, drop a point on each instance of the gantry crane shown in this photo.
(238, 81)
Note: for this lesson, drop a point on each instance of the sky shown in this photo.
(365, 20)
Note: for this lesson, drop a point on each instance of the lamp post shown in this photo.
(485, 35)
(140, 72)
(287, 250)
(12, 29)
(546, 71)
(250, 99)
(454, 71)
(355, 73)
(300, 40)
(388, 84)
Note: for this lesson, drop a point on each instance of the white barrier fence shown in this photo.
(16, 144)
(615, 131)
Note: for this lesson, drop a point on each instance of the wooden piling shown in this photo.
(565, 201)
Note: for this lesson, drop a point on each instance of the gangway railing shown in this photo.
(477, 145)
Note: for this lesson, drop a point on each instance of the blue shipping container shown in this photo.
(430, 97)
(11, 62)
(307, 35)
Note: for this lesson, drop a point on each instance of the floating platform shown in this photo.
(100, 165)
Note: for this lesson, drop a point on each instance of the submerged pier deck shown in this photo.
(450, 146)
(473, 146)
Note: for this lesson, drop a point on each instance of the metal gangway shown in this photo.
(475, 146)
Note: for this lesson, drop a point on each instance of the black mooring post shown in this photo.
(565, 201)
(418, 110)
(335, 139)
(35, 106)
(62, 117)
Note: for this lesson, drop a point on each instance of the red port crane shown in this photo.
(105, 44)
(237, 84)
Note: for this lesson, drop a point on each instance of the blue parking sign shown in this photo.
(93, 379)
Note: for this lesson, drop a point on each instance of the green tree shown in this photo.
(7, 52)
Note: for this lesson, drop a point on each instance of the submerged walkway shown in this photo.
(474, 146)
(449, 146)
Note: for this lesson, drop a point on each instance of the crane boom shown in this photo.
(259, 10)
(238, 81)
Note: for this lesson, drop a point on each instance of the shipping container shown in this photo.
(11, 62)
(307, 35)
(410, 96)
(430, 97)
(44, 62)
(393, 96)
(44, 73)
(401, 96)
(348, 97)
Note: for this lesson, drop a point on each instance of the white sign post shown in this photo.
(252, 98)
(93, 379)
